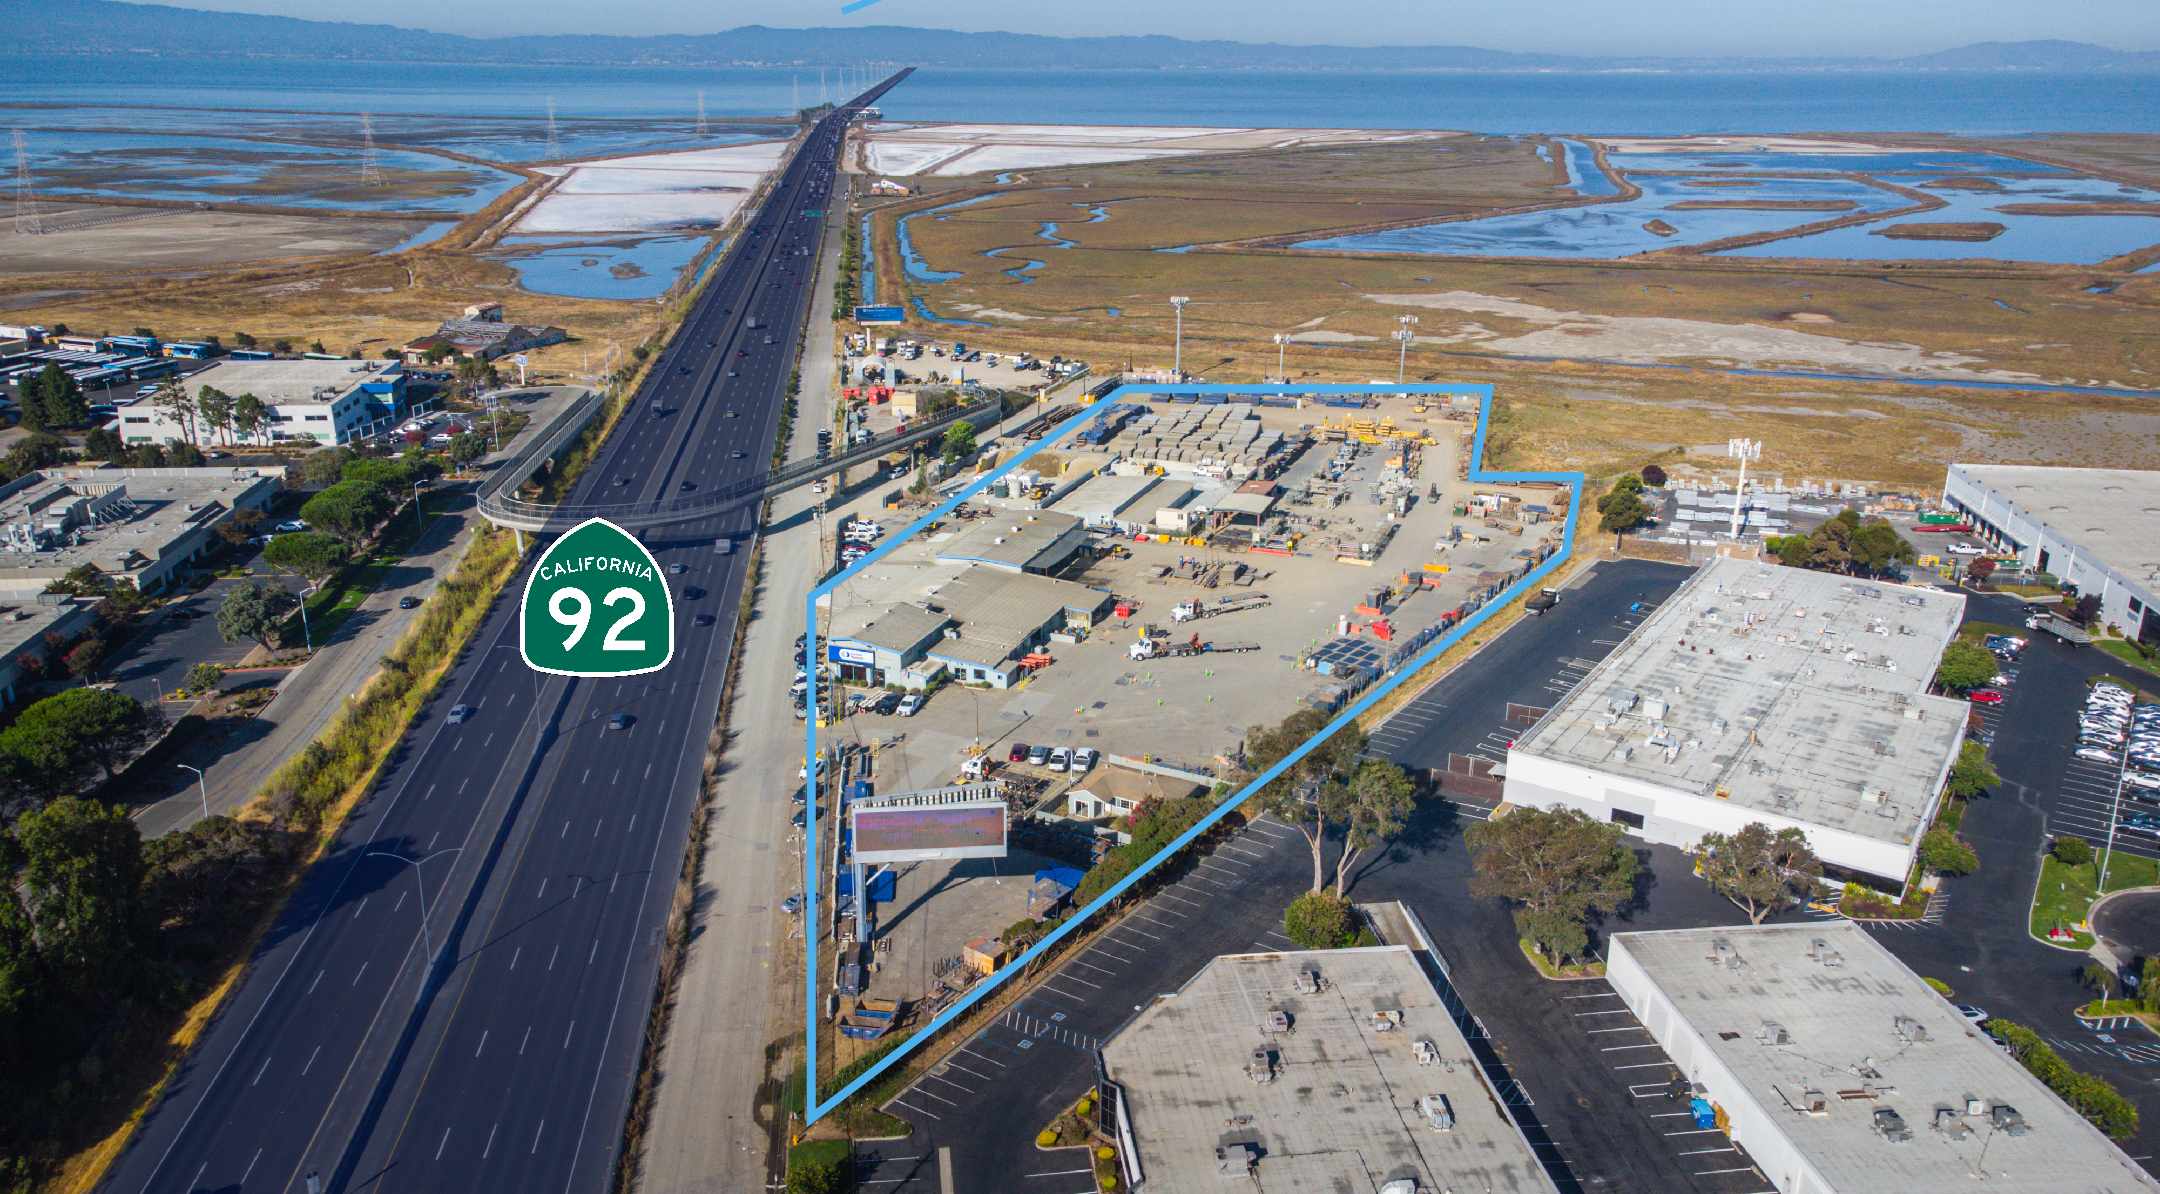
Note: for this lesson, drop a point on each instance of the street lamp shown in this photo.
(1177, 365)
(425, 938)
(204, 785)
(418, 522)
(1281, 341)
(1405, 336)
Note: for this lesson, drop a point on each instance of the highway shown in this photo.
(454, 999)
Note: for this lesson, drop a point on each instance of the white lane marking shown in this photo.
(543, 888)
(491, 1142)
(358, 973)
(251, 1166)
(259, 1073)
(445, 1140)
(555, 955)
(310, 1062)
(567, 1032)
(318, 978)
(362, 908)
(536, 1135)
(514, 955)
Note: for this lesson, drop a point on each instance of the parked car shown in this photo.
(886, 704)
(1018, 753)
(1083, 760)
(803, 771)
(292, 524)
(458, 714)
(1060, 759)
(1984, 696)
(408, 602)
(1973, 1015)
(911, 704)
(1039, 757)
(793, 904)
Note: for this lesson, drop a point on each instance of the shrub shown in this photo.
(1940, 850)
(204, 677)
(1321, 921)
(2091, 1097)
(1105, 1153)
(2072, 851)
(1045, 1138)
(1941, 988)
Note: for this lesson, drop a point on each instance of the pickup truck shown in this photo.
(1545, 600)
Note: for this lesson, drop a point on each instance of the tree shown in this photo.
(240, 527)
(187, 456)
(1557, 866)
(1628, 483)
(1622, 511)
(1964, 667)
(204, 677)
(312, 554)
(103, 443)
(282, 348)
(959, 440)
(396, 476)
(819, 1177)
(2087, 610)
(320, 470)
(1793, 551)
(437, 353)
(2098, 978)
(85, 660)
(250, 416)
(1940, 850)
(1970, 775)
(1320, 921)
(1759, 871)
(1876, 545)
(44, 759)
(1381, 799)
(2071, 851)
(1309, 793)
(349, 509)
(217, 412)
(1981, 569)
(108, 728)
(255, 611)
(53, 399)
(1653, 476)
(466, 448)
(148, 456)
(82, 885)
(243, 340)
(177, 407)
(83, 580)
(122, 603)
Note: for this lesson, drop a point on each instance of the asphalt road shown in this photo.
(453, 1000)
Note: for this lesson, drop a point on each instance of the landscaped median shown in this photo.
(2070, 882)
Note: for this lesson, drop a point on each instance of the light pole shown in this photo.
(1405, 336)
(204, 785)
(419, 523)
(1177, 365)
(425, 938)
(1742, 450)
(1282, 340)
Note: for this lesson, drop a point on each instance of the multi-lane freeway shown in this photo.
(455, 998)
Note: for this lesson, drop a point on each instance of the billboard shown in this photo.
(880, 315)
(912, 834)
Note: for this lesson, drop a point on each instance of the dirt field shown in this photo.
(152, 240)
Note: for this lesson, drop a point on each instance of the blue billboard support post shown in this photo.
(815, 1108)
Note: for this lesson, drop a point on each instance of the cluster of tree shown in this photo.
(50, 398)
(2094, 1098)
(1623, 509)
(1557, 867)
(1153, 825)
(95, 925)
(1324, 920)
(363, 492)
(1761, 871)
(211, 414)
(62, 743)
(1330, 786)
(30, 453)
(959, 441)
(1845, 544)
(255, 611)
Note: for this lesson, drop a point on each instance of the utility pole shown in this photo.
(1282, 340)
(1177, 357)
(1742, 450)
(1404, 337)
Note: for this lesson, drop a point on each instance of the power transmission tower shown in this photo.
(795, 82)
(370, 164)
(701, 115)
(27, 220)
(554, 147)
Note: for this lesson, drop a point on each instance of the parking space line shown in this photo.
(1066, 994)
(1629, 1028)
(1696, 1132)
(1618, 1048)
(1699, 1152)
(1097, 969)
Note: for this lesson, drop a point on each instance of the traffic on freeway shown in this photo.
(453, 1000)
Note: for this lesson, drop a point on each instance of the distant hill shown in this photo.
(109, 27)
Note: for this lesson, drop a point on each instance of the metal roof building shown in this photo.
(1036, 542)
(1762, 693)
(1841, 1072)
(2098, 528)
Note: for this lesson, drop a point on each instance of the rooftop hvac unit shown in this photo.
(1951, 1124)
(1909, 1028)
(1891, 1125)
(1278, 1021)
(1308, 980)
(1234, 1160)
(2007, 1120)
(1435, 1110)
(1773, 1033)
(1814, 1102)
(1261, 1069)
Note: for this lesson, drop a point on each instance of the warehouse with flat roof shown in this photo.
(2097, 528)
(1840, 1071)
(1330, 1070)
(1762, 693)
(1039, 542)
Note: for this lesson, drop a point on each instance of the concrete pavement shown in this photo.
(716, 1124)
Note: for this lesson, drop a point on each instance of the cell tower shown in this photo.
(554, 147)
(27, 220)
(370, 164)
(701, 115)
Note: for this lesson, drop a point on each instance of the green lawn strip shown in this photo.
(329, 606)
(2066, 893)
(2124, 651)
(820, 1152)
(1975, 631)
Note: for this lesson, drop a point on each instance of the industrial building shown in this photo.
(978, 627)
(1124, 504)
(1328, 1070)
(485, 333)
(1762, 693)
(139, 524)
(1841, 1072)
(2096, 528)
(1038, 542)
(335, 402)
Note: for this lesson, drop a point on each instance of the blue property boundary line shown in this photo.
(814, 1109)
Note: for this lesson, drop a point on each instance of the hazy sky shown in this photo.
(1600, 27)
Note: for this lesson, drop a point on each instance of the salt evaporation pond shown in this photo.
(227, 170)
(626, 269)
(2079, 239)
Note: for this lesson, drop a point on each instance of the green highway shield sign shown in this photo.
(597, 605)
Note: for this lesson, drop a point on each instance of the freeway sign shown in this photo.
(597, 605)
